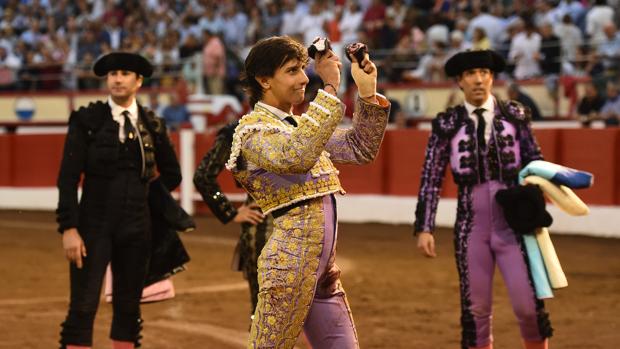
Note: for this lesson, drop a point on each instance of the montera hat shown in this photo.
(466, 60)
(524, 208)
(123, 61)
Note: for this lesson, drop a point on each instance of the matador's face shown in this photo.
(476, 84)
(123, 84)
(287, 86)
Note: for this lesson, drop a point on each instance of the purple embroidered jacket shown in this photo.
(453, 140)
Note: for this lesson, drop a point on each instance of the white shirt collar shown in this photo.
(488, 115)
(117, 115)
(488, 105)
(277, 112)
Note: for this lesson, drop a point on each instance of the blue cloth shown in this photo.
(574, 179)
(537, 268)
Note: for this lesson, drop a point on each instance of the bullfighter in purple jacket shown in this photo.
(486, 141)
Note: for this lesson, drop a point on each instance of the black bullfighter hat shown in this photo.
(524, 208)
(123, 61)
(466, 60)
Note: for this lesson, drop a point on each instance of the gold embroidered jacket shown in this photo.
(279, 164)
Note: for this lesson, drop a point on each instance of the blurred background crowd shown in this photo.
(49, 45)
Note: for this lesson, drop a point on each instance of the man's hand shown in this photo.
(426, 244)
(327, 66)
(249, 214)
(74, 247)
(365, 78)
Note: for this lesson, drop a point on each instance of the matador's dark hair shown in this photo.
(265, 57)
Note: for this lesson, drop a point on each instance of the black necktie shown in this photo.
(291, 120)
(129, 130)
(481, 126)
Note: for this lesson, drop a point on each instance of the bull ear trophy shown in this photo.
(319, 45)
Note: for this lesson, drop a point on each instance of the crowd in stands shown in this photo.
(51, 44)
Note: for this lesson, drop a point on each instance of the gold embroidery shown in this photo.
(287, 275)
(288, 153)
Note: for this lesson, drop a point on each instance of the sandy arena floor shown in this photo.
(399, 298)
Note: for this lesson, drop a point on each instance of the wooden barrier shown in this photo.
(365, 179)
(405, 156)
(594, 151)
(6, 160)
(36, 159)
(33, 160)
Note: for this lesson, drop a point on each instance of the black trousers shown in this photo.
(115, 229)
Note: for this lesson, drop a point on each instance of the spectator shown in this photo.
(480, 41)
(492, 25)
(457, 43)
(188, 27)
(398, 11)
(515, 93)
(599, 15)
(570, 39)
(525, 52)
(114, 33)
(587, 62)
(374, 18)
(291, 17)
(574, 9)
(9, 65)
(86, 79)
(431, 65)
(438, 31)
(312, 25)
(550, 63)
(332, 29)
(214, 64)
(388, 35)
(394, 66)
(546, 13)
(610, 113)
(190, 46)
(88, 45)
(272, 19)
(513, 28)
(211, 21)
(175, 113)
(590, 105)
(32, 36)
(350, 22)
(235, 27)
(150, 48)
(609, 49)
(254, 30)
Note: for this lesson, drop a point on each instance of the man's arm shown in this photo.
(165, 156)
(205, 179)
(360, 143)
(71, 168)
(299, 150)
(437, 156)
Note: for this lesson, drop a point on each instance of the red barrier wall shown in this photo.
(549, 141)
(33, 160)
(6, 159)
(36, 160)
(594, 151)
(405, 156)
(364, 179)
